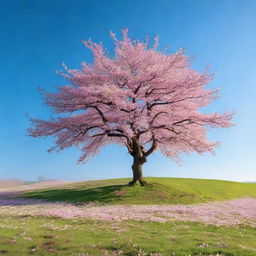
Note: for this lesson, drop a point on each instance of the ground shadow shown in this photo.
(14, 199)
(104, 194)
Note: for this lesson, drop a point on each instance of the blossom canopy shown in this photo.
(141, 98)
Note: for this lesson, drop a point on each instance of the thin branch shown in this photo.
(152, 148)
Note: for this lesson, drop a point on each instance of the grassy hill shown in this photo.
(160, 191)
(48, 235)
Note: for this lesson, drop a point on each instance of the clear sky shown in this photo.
(37, 36)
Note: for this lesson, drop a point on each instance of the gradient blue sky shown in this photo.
(37, 36)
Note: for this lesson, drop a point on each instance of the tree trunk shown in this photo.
(137, 171)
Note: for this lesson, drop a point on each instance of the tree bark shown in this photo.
(137, 171)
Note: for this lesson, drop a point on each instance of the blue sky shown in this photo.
(37, 36)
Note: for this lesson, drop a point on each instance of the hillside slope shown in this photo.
(5, 183)
(160, 191)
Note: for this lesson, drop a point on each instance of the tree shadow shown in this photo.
(13, 199)
(104, 194)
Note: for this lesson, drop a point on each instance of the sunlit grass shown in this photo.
(37, 235)
(26, 235)
(161, 191)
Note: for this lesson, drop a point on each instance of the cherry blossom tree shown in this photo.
(140, 98)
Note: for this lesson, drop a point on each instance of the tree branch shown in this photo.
(152, 148)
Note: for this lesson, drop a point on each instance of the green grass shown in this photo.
(40, 236)
(160, 191)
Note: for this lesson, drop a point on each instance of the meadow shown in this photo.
(106, 217)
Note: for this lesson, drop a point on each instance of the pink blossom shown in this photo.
(232, 212)
(138, 96)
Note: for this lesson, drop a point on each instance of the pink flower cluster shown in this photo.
(230, 213)
(233, 212)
